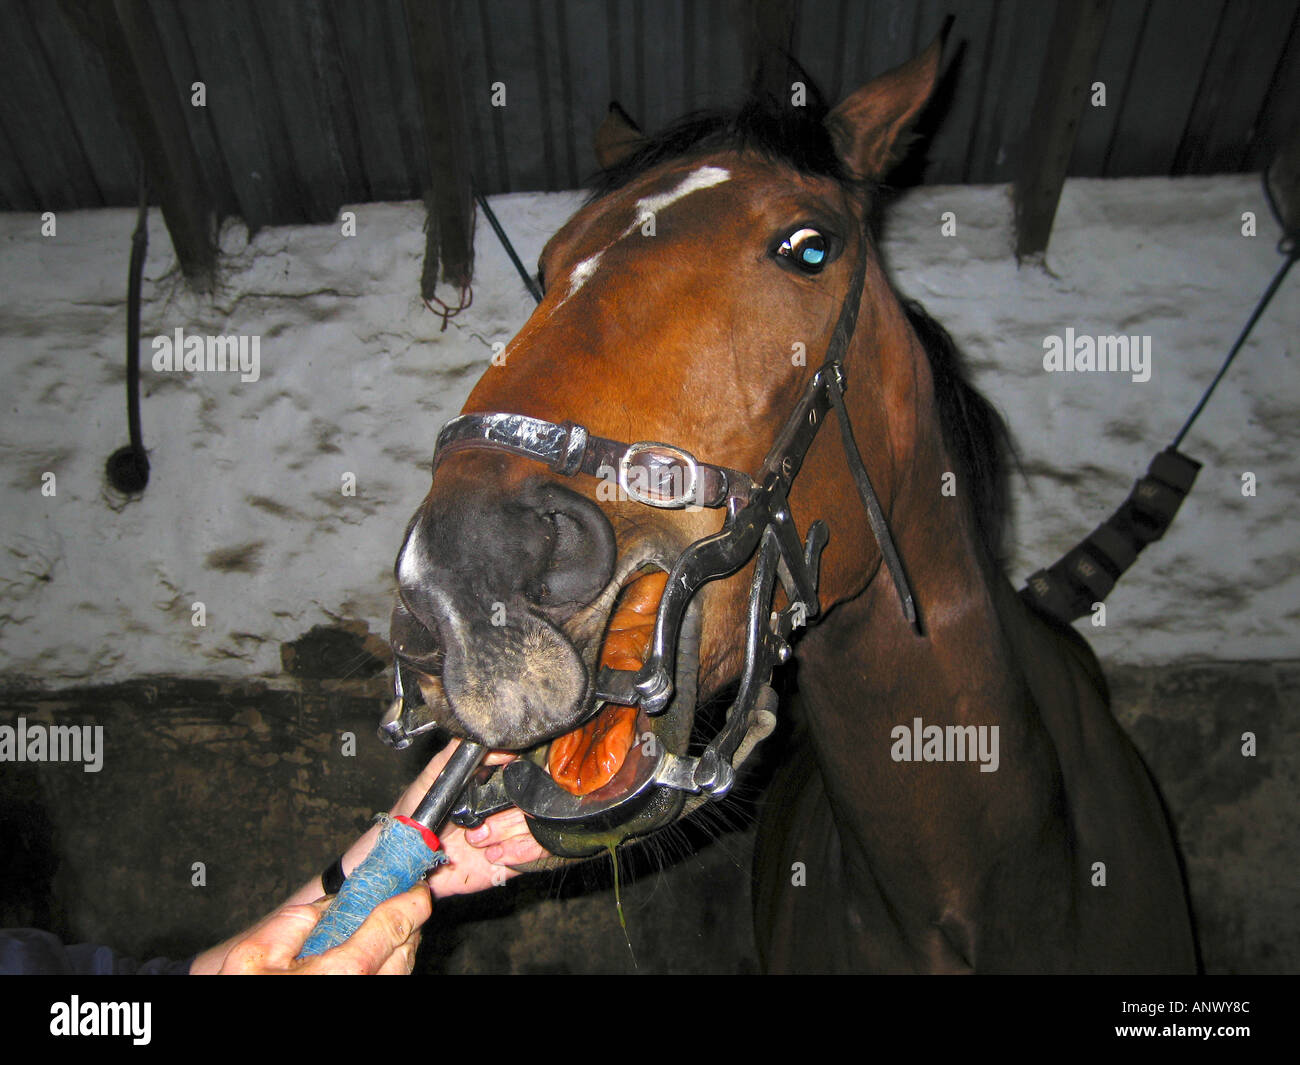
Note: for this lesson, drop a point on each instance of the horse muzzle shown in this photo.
(487, 583)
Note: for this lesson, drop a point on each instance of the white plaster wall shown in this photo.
(356, 377)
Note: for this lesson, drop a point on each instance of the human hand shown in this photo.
(478, 858)
(384, 945)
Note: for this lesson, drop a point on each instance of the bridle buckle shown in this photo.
(681, 459)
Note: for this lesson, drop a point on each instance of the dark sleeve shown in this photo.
(31, 952)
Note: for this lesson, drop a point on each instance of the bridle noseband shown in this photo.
(757, 521)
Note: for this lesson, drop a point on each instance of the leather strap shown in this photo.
(1087, 572)
(833, 370)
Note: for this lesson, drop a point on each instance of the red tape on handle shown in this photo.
(430, 837)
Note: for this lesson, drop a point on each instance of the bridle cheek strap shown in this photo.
(833, 369)
(875, 516)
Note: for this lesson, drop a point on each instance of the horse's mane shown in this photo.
(975, 435)
(774, 129)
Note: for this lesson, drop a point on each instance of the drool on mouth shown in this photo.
(588, 758)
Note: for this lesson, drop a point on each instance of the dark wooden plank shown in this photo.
(1279, 114)
(300, 109)
(515, 62)
(83, 82)
(568, 120)
(217, 58)
(449, 249)
(39, 125)
(891, 30)
(481, 145)
(586, 29)
(204, 138)
(818, 42)
(406, 96)
(1158, 99)
(328, 70)
(660, 51)
(1014, 62)
(946, 127)
(729, 80)
(767, 37)
(15, 186)
(365, 46)
(1237, 73)
(635, 41)
(144, 93)
(254, 62)
(851, 63)
(545, 49)
(819, 45)
(1238, 70)
(693, 29)
(1067, 72)
(1115, 65)
(481, 94)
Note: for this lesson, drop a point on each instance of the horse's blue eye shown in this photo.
(806, 248)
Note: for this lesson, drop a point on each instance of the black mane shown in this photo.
(973, 431)
(771, 127)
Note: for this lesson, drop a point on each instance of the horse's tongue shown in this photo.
(588, 757)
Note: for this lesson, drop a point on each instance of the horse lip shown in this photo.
(587, 626)
(625, 570)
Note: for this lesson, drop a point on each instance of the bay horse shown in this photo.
(963, 799)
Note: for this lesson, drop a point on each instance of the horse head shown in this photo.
(689, 304)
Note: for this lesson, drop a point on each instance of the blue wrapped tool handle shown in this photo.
(399, 861)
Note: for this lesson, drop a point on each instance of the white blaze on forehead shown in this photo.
(583, 271)
(703, 178)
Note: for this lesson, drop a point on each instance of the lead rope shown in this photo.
(530, 282)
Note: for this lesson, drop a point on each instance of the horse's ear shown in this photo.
(870, 126)
(617, 138)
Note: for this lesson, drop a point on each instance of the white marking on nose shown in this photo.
(412, 565)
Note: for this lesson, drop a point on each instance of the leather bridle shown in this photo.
(757, 521)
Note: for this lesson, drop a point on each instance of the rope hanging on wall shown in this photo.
(128, 467)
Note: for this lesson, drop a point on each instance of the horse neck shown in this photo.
(864, 672)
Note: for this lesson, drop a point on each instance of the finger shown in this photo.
(389, 925)
(518, 850)
(277, 941)
(498, 828)
(402, 960)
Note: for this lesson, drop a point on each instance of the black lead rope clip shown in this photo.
(1068, 589)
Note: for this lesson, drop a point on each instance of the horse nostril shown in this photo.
(576, 548)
